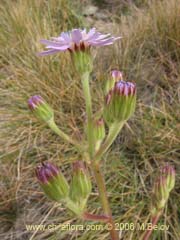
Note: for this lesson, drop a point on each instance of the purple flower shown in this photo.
(77, 39)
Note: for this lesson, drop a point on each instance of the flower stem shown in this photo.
(87, 95)
(94, 217)
(73, 207)
(63, 135)
(149, 231)
(113, 132)
(104, 199)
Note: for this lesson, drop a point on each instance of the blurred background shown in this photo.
(148, 54)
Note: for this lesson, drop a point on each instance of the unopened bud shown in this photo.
(98, 129)
(164, 184)
(115, 77)
(161, 193)
(40, 108)
(52, 181)
(169, 172)
(120, 102)
(80, 187)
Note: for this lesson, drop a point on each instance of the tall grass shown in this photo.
(148, 54)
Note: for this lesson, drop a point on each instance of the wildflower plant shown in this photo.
(119, 105)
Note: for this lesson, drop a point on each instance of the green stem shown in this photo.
(104, 199)
(87, 95)
(73, 207)
(149, 231)
(63, 135)
(113, 132)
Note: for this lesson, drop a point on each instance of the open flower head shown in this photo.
(77, 39)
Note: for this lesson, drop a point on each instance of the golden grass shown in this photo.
(149, 54)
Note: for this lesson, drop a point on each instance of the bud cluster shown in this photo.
(56, 187)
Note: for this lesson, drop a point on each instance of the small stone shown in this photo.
(102, 16)
(90, 10)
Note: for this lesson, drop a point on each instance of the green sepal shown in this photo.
(80, 187)
(120, 108)
(82, 61)
(57, 188)
(44, 112)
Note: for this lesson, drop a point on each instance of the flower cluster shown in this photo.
(119, 105)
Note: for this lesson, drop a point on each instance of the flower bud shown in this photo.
(40, 108)
(98, 129)
(98, 132)
(52, 181)
(115, 77)
(161, 193)
(169, 172)
(120, 102)
(80, 187)
(164, 184)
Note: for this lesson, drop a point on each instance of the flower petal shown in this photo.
(49, 52)
(66, 37)
(61, 48)
(76, 36)
(102, 43)
(52, 43)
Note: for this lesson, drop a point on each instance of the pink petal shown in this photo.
(62, 48)
(52, 43)
(49, 52)
(76, 36)
(66, 37)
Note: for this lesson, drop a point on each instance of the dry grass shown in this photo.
(149, 54)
